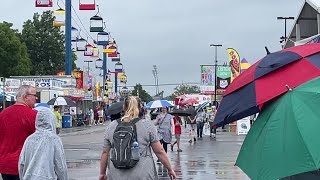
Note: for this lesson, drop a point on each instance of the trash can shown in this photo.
(66, 121)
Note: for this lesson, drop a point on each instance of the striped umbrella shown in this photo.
(61, 101)
(159, 104)
(202, 106)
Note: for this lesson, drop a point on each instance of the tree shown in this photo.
(185, 89)
(14, 58)
(45, 44)
(139, 91)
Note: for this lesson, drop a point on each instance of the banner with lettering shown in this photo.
(234, 60)
(223, 77)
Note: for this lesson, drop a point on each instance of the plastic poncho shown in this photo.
(42, 156)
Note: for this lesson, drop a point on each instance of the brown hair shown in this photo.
(132, 106)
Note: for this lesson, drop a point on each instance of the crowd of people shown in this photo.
(30, 148)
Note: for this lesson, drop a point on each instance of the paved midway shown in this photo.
(207, 159)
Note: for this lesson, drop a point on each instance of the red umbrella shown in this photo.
(266, 79)
(188, 101)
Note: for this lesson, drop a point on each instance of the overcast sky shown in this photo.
(175, 34)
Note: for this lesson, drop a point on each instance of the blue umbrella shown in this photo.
(42, 105)
(159, 104)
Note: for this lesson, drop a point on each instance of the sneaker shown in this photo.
(190, 141)
(179, 150)
(171, 147)
(194, 139)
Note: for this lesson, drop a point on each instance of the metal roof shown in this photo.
(307, 18)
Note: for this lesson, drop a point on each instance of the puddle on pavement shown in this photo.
(82, 163)
(76, 149)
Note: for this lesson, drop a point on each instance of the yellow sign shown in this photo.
(234, 60)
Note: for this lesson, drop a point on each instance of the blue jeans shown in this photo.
(199, 129)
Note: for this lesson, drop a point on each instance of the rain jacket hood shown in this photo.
(42, 156)
(45, 120)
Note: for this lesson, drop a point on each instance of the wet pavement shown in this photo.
(206, 159)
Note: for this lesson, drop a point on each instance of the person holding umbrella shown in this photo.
(211, 115)
(165, 124)
(200, 118)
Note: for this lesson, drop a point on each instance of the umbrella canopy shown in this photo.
(158, 104)
(181, 112)
(61, 101)
(115, 108)
(203, 105)
(42, 105)
(284, 140)
(192, 111)
(188, 101)
(267, 79)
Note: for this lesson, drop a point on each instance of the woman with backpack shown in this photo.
(127, 147)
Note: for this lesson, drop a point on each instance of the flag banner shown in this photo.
(234, 60)
(207, 79)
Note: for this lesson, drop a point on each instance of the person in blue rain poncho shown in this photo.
(42, 156)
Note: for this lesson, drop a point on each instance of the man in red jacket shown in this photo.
(17, 122)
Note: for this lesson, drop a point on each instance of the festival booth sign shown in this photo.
(223, 77)
(201, 98)
(78, 75)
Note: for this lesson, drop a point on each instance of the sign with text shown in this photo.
(223, 77)
(78, 75)
(207, 79)
(243, 125)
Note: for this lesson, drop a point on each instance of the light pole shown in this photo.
(284, 39)
(68, 56)
(155, 80)
(215, 71)
(155, 74)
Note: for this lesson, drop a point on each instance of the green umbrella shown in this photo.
(285, 139)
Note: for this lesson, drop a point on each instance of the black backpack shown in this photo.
(123, 137)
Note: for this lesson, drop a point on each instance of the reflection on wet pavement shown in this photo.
(206, 159)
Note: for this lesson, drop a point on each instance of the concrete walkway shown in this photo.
(205, 159)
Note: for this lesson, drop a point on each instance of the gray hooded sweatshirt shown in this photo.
(42, 156)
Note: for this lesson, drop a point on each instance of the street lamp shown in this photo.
(155, 74)
(284, 39)
(215, 72)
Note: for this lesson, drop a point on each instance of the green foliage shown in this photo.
(45, 44)
(185, 89)
(139, 91)
(14, 58)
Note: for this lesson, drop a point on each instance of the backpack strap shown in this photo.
(133, 122)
